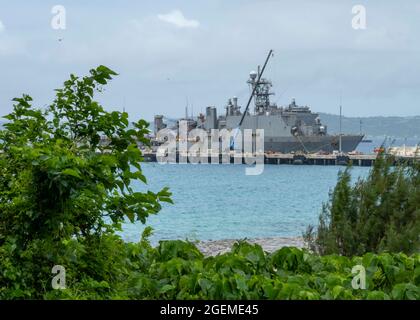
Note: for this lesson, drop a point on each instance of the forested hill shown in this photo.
(375, 126)
(403, 127)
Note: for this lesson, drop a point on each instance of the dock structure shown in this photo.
(361, 160)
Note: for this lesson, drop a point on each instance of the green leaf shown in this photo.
(71, 172)
(166, 288)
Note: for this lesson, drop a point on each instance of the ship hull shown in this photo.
(278, 137)
(312, 144)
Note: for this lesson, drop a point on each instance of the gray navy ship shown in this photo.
(287, 129)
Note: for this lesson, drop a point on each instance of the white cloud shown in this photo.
(1, 26)
(177, 18)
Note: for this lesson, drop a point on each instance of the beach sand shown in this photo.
(215, 247)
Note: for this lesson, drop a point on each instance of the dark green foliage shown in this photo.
(177, 270)
(377, 214)
(64, 191)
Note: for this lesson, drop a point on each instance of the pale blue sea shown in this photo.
(221, 202)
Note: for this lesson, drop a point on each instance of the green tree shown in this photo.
(376, 214)
(66, 176)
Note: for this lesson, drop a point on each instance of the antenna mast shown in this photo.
(186, 109)
(340, 142)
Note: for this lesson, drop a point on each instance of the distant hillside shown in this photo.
(374, 126)
(402, 127)
(398, 127)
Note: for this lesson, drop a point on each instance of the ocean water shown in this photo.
(217, 201)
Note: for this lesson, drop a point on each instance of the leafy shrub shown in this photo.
(288, 273)
(378, 214)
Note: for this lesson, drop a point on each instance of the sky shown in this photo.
(172, 53)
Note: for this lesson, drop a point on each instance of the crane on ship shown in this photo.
(254, 76)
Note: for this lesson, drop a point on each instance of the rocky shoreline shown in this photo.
(215, 247)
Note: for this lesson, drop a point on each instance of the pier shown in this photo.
(361, 160)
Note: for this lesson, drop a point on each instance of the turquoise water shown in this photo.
(221, 202)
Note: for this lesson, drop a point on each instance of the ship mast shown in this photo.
(254, 89)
